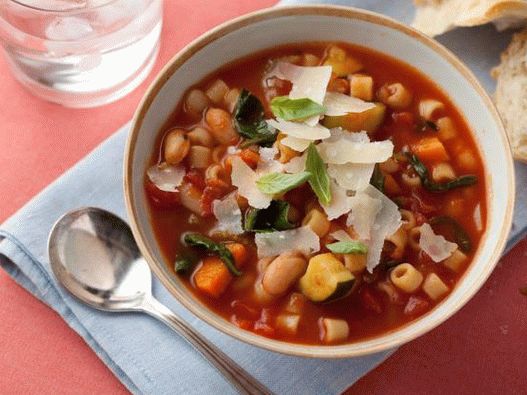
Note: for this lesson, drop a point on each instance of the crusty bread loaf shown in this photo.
(434, 17)
(511, 93)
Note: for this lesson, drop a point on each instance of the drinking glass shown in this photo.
(80, 53)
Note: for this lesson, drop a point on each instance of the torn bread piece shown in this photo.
(511, 93)
(434, 17)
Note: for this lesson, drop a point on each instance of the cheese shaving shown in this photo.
(275, 243)
(296, 164)
(296, 144)
(308, 82)
(228, 214)
(267, 162)
(300, 130)
(364, 210)
(343, 150)
(339, 204)
(435, 246)
(341, 235)
(244, 178)
(387, 221)
(338, 104)
(166, 177)
(354, 176)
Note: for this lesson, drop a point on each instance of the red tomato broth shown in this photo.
(359, 307)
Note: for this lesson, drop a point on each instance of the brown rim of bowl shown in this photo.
(338, 351)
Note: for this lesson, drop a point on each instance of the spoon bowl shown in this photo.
(93, 254)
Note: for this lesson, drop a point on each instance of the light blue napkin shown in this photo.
(146, 356)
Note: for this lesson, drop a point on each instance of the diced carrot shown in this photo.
(391, 186)
(250, 157)
(430, 149)
(239, 252)
(212, 277)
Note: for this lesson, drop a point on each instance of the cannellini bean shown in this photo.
(283, 272)
(217, 91)
(196, 102)
(177, 146)
(220, 125)
(395, 95)
(201, 136)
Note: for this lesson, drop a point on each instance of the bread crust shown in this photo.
(434, 17)
(511, 93)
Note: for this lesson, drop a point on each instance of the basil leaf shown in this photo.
(292, 109)
(459, 234)
(272, 218)
(249, 120)
(184, 263)
(348, 247)
(200, 241)
(319, 180)
(438, 187)
(274, 183)
(377, 178)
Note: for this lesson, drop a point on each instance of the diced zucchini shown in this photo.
(342, 64)
(326, 279)
(368, 120)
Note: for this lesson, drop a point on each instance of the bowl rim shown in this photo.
(315, 351)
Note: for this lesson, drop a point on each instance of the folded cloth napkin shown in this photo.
(145, 355)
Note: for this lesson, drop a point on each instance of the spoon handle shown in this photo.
(237, 376)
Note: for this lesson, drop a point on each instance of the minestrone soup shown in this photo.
(320, 193)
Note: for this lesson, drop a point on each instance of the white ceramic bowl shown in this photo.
(272, 27)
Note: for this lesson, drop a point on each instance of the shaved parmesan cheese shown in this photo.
(341, 235)
(296, 144)
(346, 151)
(337, 134)
(228, 214)
(300, 130)
(296, 164)
(274, 243)
(244, 178)
(364, 210)
(354, 176)
(308, 82)
(339, 204)
(338, 104)
(435, 246)
(267, 162)
(166, 177)
(387, 221)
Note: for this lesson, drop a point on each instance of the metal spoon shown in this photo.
(93, 254)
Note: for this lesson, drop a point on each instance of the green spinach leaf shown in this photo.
(199, 241)
(272, 218)
(249, 121)
(438, 187)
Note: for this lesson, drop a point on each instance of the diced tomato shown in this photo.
(416, 306)
(241, 323)
(370, 300)
(161, 199)
(264, 329)
(209, 195)
(250, 157)
(403, 118)
(242, 309)
(195, 178)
